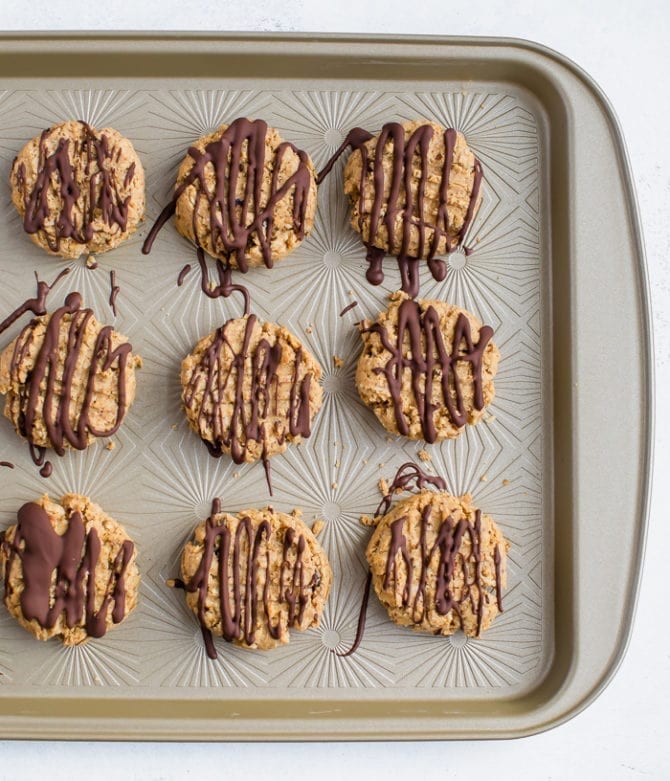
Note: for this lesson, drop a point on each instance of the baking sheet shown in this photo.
(159, 479)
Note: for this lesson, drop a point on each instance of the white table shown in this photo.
(624, 733)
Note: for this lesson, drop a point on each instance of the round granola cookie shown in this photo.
(253, 576)
(438, 564)
(67, 378)
(250, 388)
(69, 570)
(78, 189)
(414, 190)
(245, 195)
(427, 368)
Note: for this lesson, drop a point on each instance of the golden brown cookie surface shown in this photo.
(426, 369)
(252, 576)
(250, 388)
(245, 195)
(78, 189)
(438, 564)
(67, 378)
(69, 570)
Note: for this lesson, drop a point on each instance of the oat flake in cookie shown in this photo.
(438, 564)
(427, 368)
(78, 189)
(69, 570)
(67, 378)
(250, 388)
(244, 195)
(252, 576)
(414, 190)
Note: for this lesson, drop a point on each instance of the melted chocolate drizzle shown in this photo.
(348, 308)
(183, 274)
(244, 558)
(67, 563)
(225, 287)
(57, 388)
(235, 223)
(114, 291)
(404, 151)
(425, 354)
(7, 464)
(55, 169)
(37, 305)
(408, 473)
(212, 378)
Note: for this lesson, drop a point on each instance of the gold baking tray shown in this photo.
(563, 462)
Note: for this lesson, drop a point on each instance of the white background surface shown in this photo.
(624, 734)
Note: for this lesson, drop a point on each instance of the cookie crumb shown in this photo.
(333, 486)
(483, 478)
(308, 330)
(383, 487)
(236, 475)
(110, 445)
(489, 419)
(382, 465)
(318, 526)
(368, 520)
(338, 362)
(505, 482)
(174, 426)
(170, 582)
(91, 262)
(424, 455)
(337, 463)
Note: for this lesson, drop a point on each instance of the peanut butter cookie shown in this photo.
(250, 388)
(438, 564)
(78, 189)
(253, 576)
(69, 570)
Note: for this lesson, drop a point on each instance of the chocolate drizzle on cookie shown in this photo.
(420, 347)
(49, 389)
(77, 208)
(412, 587)
(243, 563)
(235, 223)
(392, 199)
(217, 375)
(59, 572)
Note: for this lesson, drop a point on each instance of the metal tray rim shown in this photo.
(164, 730)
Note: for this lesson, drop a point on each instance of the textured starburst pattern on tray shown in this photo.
(319, 121)
(175, 653)
(109, 661)
(98, 108)
(159, 481)
(315, 657)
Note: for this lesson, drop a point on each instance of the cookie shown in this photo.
(427, 368)
(78, 189)
(69, 570)
(414, 190)
(250, 388)
(253, 576)
(438, 564)
(67, 378)
(244, 195)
